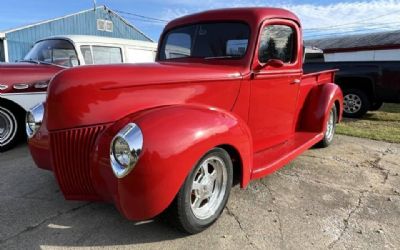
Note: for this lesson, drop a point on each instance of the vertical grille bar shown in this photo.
(71, 160)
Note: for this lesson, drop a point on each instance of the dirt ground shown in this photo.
(345, 196)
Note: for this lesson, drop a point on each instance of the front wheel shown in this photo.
(205, 192)
(330, 128)
(9, 129)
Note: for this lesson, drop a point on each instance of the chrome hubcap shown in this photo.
(208, 188)
(7, 129)
(330, 127)
(352, 103)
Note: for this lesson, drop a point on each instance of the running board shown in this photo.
(270, 160)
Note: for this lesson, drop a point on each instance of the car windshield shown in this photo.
(54, 51)
(207, 41)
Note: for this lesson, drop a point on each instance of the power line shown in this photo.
(141, 16)
(133, 19)
(361, 21)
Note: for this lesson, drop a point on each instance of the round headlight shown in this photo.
(125, 149)
(34, 120)
(122, 152)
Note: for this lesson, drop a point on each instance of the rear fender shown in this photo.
(317, 106)
(175, 138)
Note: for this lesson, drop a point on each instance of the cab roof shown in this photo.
(252, 16)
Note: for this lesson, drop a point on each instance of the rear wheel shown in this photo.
(204, 194)
(356, 103)
(330, 128)
(10, 131)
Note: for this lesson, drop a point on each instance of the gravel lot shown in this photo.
(345, 196)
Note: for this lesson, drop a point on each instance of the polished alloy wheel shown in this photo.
(352, 103)
(8, 128)
(208, 188)
(330, 127)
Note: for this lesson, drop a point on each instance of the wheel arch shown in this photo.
(237, 163)
(317, 107)
(12, 105)
(363, 83)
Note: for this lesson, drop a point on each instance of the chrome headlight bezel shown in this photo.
(132, 135)
(34, 119)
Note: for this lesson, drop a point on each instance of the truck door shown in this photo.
(275, 83)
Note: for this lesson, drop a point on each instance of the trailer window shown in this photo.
(87, 54)
(277, 42)
(106, 55)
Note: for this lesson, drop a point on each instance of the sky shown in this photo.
(320, 18)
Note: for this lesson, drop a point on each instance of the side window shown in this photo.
(277, 42)
(106, 55)
(87, 54)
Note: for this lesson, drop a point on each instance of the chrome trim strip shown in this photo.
(41, 85)
(24, 93)
(3, 87)
(21, 86)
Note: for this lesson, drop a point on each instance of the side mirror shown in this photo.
(276, 63)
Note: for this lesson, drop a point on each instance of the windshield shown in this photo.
(60, 52)
(207, 40)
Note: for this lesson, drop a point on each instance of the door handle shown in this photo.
(296, 81)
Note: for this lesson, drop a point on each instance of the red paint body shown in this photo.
(184, 109)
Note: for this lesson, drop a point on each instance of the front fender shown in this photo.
(317, 107)
(175, 138)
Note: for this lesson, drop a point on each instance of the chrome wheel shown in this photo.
(352, 103)
(208, 188)
(330, 127)
(8, 126)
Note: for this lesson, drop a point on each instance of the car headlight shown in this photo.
(34, 119)
(125, 150)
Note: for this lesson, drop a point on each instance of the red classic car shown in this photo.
(24, 84)
(226, 102)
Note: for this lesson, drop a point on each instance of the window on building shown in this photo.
(106, 55)
(277, 42)
(105, 25)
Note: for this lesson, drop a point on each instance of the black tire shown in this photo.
(180, 212)
(13, 121)
(328, 137)
(364, 105)
(376, 106)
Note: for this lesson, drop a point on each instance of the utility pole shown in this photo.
(94, 5)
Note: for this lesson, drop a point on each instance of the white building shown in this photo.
(382, 46)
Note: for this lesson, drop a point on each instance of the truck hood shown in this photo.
(90, 95)
(25, 73)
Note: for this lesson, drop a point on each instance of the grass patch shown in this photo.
(382, 125)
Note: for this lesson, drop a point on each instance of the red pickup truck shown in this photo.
(226, 102)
